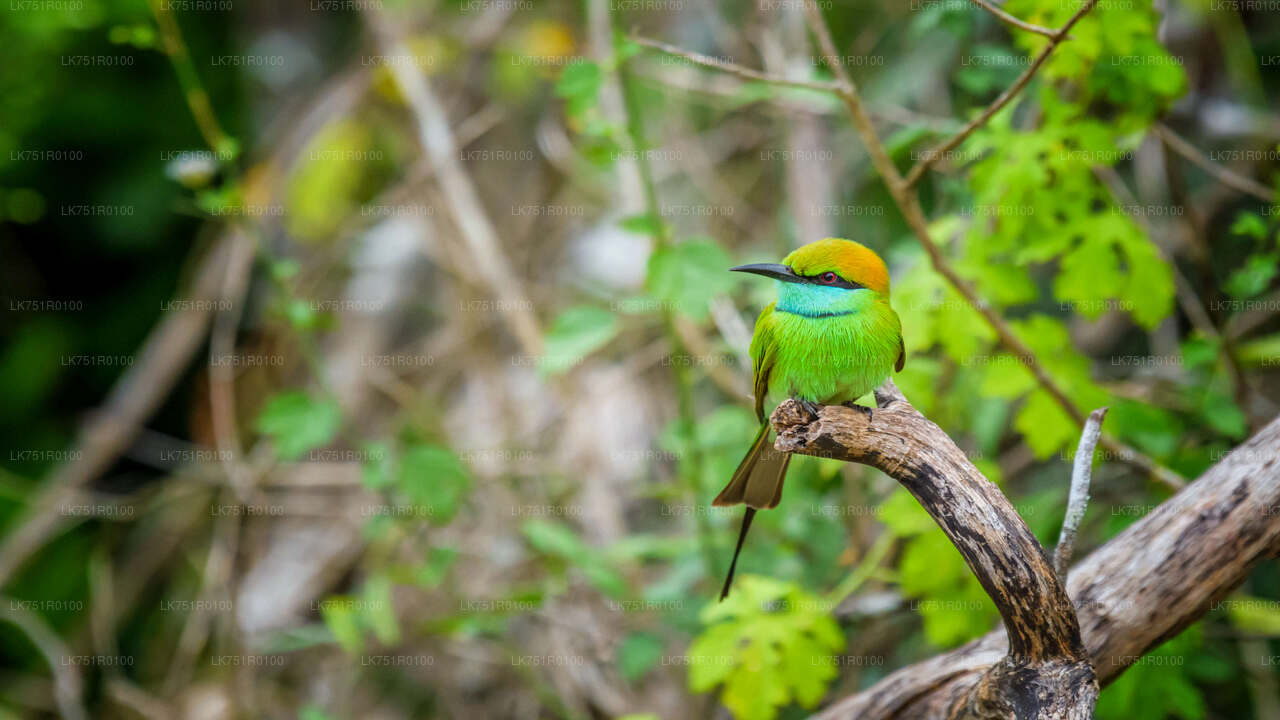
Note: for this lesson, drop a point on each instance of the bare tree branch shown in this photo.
(1020, 24)
(68, 687)
(909, 205)
(1221, 174)
(741, 71)
(1078, 498)
(138, 392)
(1141, 588)
(1045, 674)
(931, 156)
(476, 228)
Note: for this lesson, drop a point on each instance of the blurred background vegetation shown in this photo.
(379, 359)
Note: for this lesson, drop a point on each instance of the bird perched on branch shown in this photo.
(830, 337)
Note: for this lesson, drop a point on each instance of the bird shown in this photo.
(830, 337)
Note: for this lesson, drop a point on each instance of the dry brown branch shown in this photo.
(741, 71)
(1044, 674)
(222, 345)
(1227, 177)
(940, 150)
(1246, 394)
(1143, 587)
(165, 354)
(1020, 24)
(901, 189)
(909, 205)
(68, 687)
(476, 228)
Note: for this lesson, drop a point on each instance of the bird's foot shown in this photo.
(810, 407)
(853, 405)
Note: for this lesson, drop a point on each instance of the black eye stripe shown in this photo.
(839, 282)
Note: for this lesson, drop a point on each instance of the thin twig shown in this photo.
(67, 685)
(909, 205)
(215, 582)
(1222, 174)
(128, 694)
(139, 391)
(222, 344)
(1078, 499)
(690, 469)
(741, 71)
(940, 150)
(1192, 305)
(473, 222)
(1021, 24)
(192, 90)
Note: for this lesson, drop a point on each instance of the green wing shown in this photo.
(763, 353)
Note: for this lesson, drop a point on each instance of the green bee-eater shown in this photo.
(830, 337)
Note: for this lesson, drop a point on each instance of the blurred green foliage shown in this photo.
(1024, 217)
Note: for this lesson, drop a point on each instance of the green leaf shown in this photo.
(301, 314)
(1156, 687)
(1264, 351)
(709, 657)
(378, 612)
(929, 565)
(1250, 225)
(638, 654)
(433, 478)
(689, 275)
(284, 269)
(624, 48)
(1090, 275)
(966, 332)
(553, 539)
(579, 85)
(1255, 276)
(1046, 427)
(434, 570)
(769, 643)
(1148, 294)
(904, 516)
(1151, 429)
(560, 541)
(601, 576)
(1224, 416)
(644, 224)
(579, 79)
(576, 333)
(375, 470)
(340, 617)
(298, 423)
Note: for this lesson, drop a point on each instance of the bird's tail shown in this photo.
(758, 483)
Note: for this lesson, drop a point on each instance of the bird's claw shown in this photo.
(809, 407)
(853, 405)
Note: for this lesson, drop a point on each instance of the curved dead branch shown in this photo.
(1045, 673)
(1138, 590)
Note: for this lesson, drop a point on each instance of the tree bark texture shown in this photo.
(1139, 589)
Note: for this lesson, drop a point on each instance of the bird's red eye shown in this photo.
(827, 277)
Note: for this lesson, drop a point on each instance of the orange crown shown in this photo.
(852, 261)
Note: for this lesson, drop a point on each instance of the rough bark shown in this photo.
(1044, 674)
(1141, 588)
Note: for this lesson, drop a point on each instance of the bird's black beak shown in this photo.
(772, 270)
